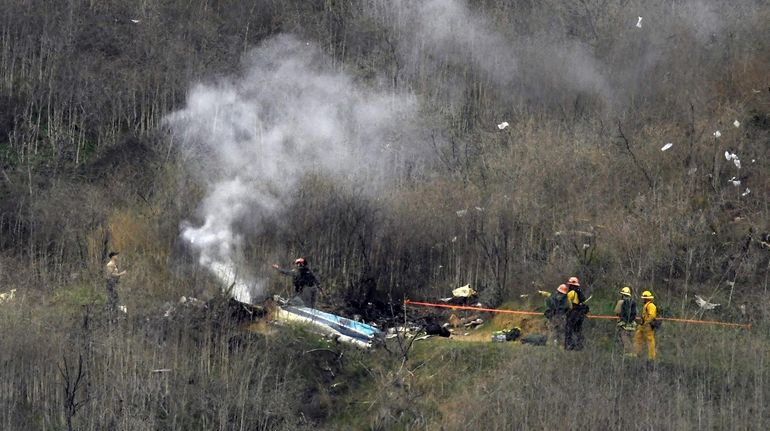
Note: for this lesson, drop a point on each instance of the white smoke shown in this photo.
(253, 137)
(449, 36)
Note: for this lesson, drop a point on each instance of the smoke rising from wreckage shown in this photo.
(407, 148)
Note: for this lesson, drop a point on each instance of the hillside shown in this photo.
(404, 149)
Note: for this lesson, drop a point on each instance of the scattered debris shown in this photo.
(737, 123)
(639, 23)
(123, 308)
(192, 301)
(503, 125)
(436, 329)
(184, 303)
(666, 147)
(729, 156)
(736, 182)
(717, 134)
(737, 163)
(423, 337)
(339, 328)
(7, 296)
(454, 321)
(746, 192)
(461, 213)
(705, 305)
(534, 339)
(506, 335)
(474, 323)
(464, 291)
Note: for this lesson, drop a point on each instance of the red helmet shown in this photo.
(562, 288)
(574, 281)
(299, 261)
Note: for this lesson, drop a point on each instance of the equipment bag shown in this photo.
(655, 324)
(628, 311)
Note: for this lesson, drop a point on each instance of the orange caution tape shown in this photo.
(590, 316)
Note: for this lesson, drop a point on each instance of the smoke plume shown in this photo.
(253, 137)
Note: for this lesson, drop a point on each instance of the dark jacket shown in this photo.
(556, 305)
(302, 277)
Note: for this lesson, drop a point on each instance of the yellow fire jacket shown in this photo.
(649, 313)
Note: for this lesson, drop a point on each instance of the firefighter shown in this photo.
(306, 284)
(555, 313)
(576, 313)
(112, 273)
(646, 330)
(625, 309)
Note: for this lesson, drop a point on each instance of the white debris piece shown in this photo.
(639, 23)
(135, 21)
(479, 209)
(454, 239)
(503, 125)
(666, 147)
(461, 213)
(464, 291)
(586, 246)
(737, 123)
(746, 192)
(717, 134)
(123, 309)
(7, 296)
(734, 157)
(736, 182)
(705, 305)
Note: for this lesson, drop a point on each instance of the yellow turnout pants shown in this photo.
(644, 332)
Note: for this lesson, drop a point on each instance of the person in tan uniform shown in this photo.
(625, 309)
(112, 273)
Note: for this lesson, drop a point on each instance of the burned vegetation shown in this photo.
(439, 167)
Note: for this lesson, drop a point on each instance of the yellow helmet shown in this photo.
(647, 295)
(626, 291)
